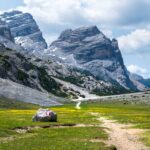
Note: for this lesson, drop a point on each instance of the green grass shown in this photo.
(128, 113)
(13, 104)
(69, 138)
(60, 139)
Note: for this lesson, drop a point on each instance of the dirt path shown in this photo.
(122, 136)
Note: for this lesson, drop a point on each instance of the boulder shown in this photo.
(45, 115)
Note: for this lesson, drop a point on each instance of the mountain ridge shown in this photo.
(83, 57)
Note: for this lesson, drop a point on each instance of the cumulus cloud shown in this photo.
(137, 41)
(138, 70)
(58, 11)
(105, 12)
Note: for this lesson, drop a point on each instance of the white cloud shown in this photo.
(105, 12)
(137, 41)
(138, 70)
(58, 11)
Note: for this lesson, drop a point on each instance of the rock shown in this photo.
(45, 115)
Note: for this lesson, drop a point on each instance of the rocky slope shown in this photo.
(19, 69)
(38, 74)
(13, 90)
(51, 77)
(88, 48)
(25, 30)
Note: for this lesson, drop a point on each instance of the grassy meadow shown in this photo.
(68, 138)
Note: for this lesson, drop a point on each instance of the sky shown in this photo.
(126, 20)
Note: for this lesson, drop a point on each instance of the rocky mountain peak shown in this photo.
(87, 44)
(25, 30)
(90, 49)
(79, 34)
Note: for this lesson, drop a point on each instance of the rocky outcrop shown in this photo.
(90, 49)
(24, 30)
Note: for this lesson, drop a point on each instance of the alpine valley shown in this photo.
(82, 63)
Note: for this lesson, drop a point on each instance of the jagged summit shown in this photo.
(87, 44)
(79, 33)
(25, 30)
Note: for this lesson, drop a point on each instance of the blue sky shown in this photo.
(8, 4)
(126, 20)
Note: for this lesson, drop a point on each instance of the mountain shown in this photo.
(18, 74)
(25, 30)
(48, 75)
(146, 82)
(141, 83)
(88, 48)
(81, 63)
